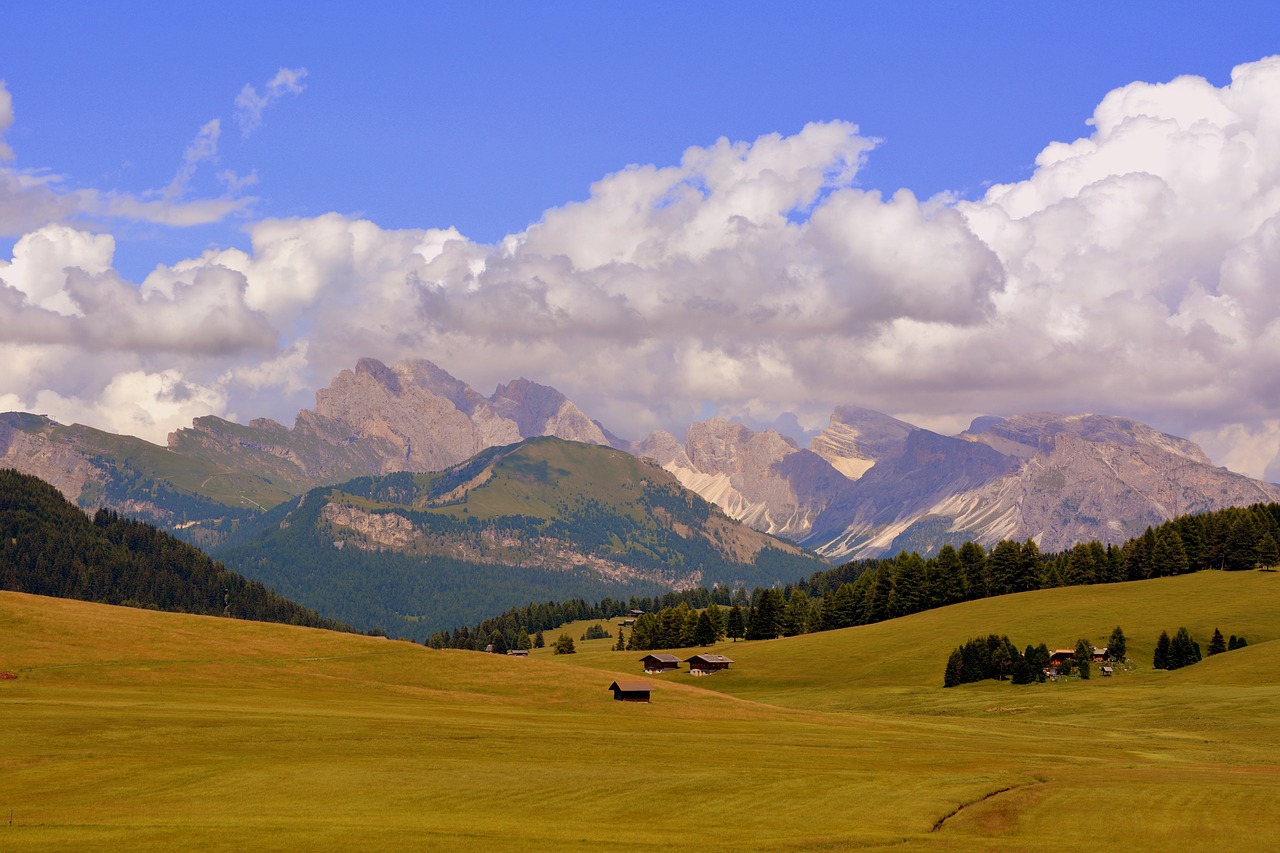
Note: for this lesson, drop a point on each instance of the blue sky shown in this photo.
(482, 116)
(498, 119)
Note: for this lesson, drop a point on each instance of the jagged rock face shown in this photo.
(377, 419)
(857, 438)
(1056, 479)
(26, 446)
(538, 410)
(760, 478)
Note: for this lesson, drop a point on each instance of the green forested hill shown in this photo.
(542, 519)
(49, 547)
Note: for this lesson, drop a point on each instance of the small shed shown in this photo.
(1106, 672)
(1099, 654)
(707, 664)
(518, 653)
(634, 613)
(631, 691)
(656, 663)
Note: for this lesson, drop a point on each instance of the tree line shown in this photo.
(50, 547)
(868, 591)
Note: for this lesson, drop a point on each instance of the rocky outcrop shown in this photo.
(760, 478)
(377, 419)
(1057, 479)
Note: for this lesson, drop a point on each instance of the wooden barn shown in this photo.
(658, 663)
(707, 664)
(631, 691)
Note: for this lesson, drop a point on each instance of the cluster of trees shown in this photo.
(682, 626)
(596, 632)
(1182, 650)
(867, 591)
(993, 656)
(50, 547)
(534, 618)
(564, 645)
(1176, 653)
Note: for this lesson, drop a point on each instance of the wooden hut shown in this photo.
(707, 664)
(658, 663)
(631, 691)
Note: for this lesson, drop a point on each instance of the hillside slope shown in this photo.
(542, 519)
(238, 732)
(49, 547)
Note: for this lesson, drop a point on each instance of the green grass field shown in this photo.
(140, 730)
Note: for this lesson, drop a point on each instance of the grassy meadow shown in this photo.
(144, 730)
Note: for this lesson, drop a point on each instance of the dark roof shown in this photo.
(709, 659)
(665, 658)
(632, 686)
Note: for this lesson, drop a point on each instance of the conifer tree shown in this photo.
(973, 559)
(538, 641)
(954, 674)
(1116, 646)
(716, 615)
(1183, 651)
(1161, 658)
(704, 633)
(1084, 658)
(735, 627)
(1217, 645)
(621, 645)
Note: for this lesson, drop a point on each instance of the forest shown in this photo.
(868, 591)
(50, 547)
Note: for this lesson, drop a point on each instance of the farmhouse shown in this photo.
(631, 691)
(657, 663)
(1099, 654)
(707, 664)
(1057, 656)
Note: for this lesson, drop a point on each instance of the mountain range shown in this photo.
(867, 485)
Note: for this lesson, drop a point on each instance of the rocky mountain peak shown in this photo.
(542, 410)
(856, 438)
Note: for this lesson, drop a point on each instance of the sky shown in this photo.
(668, 211)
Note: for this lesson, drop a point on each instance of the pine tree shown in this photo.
(1116, 646)
(621, 645)
(564, 645)
(1217, 645)
(538, 641)
(704, 633)
(735, 628)
(716, 615)
(1084, 658)
(1161, 658)
(1183, 651)
(954, 674)
(973, 559)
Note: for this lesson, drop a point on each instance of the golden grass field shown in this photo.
(138, 730)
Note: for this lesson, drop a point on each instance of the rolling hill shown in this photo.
(154, 730)
(538, 520)
(49, 547)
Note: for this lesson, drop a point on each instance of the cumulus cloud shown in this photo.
(250, 103)
(1132, 273)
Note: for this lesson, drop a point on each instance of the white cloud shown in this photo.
(203, 147)
(250, 104)
(1133, 273)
